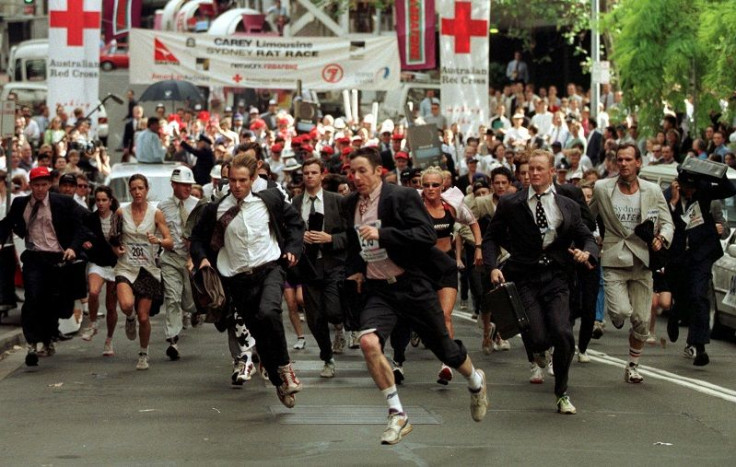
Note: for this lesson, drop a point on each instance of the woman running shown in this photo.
(102, 261)
(137, 276)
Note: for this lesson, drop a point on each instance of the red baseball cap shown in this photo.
(347, 150)
(277, 148)
(401, 155)
(343, 140)
(39, 172)
(327, 150)
(397, 137)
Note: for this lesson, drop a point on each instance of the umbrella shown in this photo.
(172, 90)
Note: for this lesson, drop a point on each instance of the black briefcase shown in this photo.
(508, 313)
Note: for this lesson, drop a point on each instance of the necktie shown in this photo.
(183, 213)
(311, 208)
(363, 206)
(541, 217)
(34, 214)
(218, 235)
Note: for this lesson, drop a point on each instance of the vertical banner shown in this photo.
(74, 55)
(464, 62)
(119, 17)
(415, 28)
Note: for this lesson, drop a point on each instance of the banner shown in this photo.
(119, 17)
(74, 55)
(464, 62)
(415, 28)
(322, 63)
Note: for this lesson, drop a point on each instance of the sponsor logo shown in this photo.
(162, 55)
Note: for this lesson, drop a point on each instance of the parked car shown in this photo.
(34, 94)
(724, 270)
(158, 175)
(114, 57)
(27, 61)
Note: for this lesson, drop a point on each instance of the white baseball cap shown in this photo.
(183, 174)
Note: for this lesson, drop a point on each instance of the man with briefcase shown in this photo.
(545, 235)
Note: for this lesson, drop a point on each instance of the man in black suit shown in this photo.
(695, 247)
(205, 158)
(539, 228)
(322, 268)
(595, 142)
(250, 238)
(391, 253)
(51, 225)
(131, 126)
(270, 116)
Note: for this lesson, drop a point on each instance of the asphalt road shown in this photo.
(79, 408)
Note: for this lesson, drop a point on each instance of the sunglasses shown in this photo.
(431, 185)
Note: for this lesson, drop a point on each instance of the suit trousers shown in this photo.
(177, 292)
(322, 305)
(257, 299)
(545, 295)
(584, 297)
(413, 299)
(629, 295)
(352, 304)
(44, 300)
(690, 281)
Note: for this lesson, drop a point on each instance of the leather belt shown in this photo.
(257, 269)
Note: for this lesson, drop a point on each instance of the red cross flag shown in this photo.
(464, 62)
(74, 55)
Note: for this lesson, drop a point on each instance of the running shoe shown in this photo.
(564, 406)
(598, 327)
(583, 357)
(107, 350)
(173, 352)
(463, 305)
(242, 372)
(537, 376)
(651, 339)
(301, 343)
(354, 340)
(31, 356)
(689, 352)
(398, 426)
(550, 368)
(479, 400)
(445, 375)
(290, 384)
(414, 340)
(130, 328)
(186, 320)
(89, 332)
(328, 370)
(142, 361)
(398, 371)
(631, 374)
(338, 345)
(617, 320)
(701, 359)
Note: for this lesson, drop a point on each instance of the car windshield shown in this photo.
(159, 188)
(36, 70)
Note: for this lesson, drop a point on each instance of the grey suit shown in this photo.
(322, 270)
(625, 257)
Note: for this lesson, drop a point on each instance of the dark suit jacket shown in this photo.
(284, 219)
(514, 228)
(66, 216)
(101, 252)
(333, 254)
(595, 145)
(407, 233)
(270, 120)
(128, 135)
(204, 164)
(576, 194)
(387, 160)
(701, 242)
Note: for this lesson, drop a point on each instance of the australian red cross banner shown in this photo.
(464, 62)
(119, 16)
(74, 55)
(415, 28)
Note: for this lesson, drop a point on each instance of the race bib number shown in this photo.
(139, 254)
(693, 217)
(653, 215)
(370, 250)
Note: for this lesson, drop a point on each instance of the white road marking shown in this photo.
(698, 385)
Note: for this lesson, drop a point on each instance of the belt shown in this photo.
(257, 269)
(544, 260)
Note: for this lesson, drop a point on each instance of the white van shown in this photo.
(27, 61)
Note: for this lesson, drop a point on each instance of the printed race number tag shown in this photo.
(693, 217)
(370, 250)
(139, 254)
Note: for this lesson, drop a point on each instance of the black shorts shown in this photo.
(660, 283)
(449, 279)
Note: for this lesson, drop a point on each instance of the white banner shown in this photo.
(322, 63)
(464, 62)
(74, 55)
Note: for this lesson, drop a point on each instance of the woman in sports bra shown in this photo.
(137, 275)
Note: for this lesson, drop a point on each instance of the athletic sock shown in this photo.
(144, 350)
(392, 399)
(634, 355)
(474, 380)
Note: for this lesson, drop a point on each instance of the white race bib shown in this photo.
(139, 254)
(693, 217)
(370, 250)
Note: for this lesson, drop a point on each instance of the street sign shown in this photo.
(7, 119)
(601, 72)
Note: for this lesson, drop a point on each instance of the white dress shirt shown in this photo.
(551, 210)
(319, 205)
(170, 209)
(249, 241)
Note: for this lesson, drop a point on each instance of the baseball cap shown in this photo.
(182, 175)
(401, 155)
(41, 172)
(68, 179)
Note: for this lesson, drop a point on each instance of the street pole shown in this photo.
(595, 52)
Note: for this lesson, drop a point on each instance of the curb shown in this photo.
(11, 337)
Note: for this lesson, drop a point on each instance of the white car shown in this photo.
(724, 270)
(158, 175)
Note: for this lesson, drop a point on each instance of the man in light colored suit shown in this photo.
(623, 202)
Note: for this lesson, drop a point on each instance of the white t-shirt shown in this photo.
(627, 208)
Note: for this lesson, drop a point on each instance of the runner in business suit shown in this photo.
(391, 253)
(322, 269)
(622, 203)
(51, 225)
(538, 228)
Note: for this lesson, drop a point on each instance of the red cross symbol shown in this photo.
(237, 78)
(463, 27)
(75, 20)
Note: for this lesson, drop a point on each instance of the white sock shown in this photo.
(144, 350)
(474, 380)
(392, 399)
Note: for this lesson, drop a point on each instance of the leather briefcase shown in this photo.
(505, 307)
